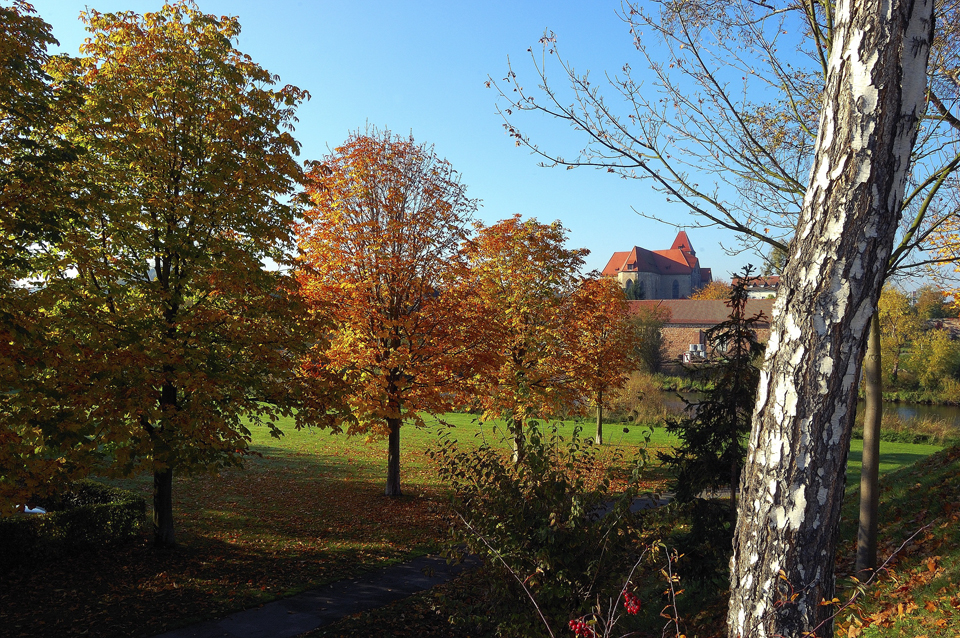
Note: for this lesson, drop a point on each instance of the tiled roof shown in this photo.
(680, 259)
(615, 264)
(762, 282)
(675, 261)
(706, 312)
(682, 242)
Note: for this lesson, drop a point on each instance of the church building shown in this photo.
(659, 274)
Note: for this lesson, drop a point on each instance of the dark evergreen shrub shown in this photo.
(88, 515)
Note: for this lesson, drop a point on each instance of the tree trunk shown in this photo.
(793, 479)
(599, 419)
(393, 458)
(519, 441)
(163, 535)
(734, 480)
(869, 473)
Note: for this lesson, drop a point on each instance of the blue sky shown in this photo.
(420, 68)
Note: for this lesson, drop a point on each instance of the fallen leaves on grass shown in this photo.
(918, 591)
(283, 524)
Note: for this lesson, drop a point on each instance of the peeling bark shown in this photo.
(793, 481)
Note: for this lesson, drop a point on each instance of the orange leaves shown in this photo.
(717, 289)
(600, 338)
(380, 258)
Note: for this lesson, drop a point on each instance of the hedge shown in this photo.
(88, 515)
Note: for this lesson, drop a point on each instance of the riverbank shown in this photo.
(674, 383)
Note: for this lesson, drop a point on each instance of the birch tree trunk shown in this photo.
(793, 481)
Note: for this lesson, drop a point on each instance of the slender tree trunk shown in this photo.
(163, 529)
(163, 535)
(869, 473)
(393, 458)
(734, 481)
(519, 440)
(793, 479)
(599, 419)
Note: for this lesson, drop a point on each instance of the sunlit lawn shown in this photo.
(308, 508)
(893, 456)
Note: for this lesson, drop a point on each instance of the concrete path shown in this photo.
(315, 608)
(312, 609)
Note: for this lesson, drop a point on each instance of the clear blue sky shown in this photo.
(420, 67)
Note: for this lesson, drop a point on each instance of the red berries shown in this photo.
(580, 628)
(631, 603)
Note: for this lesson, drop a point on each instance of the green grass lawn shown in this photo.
(893, 456)
(307, 509)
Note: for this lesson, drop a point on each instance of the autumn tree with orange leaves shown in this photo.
(171, 337)
(601, 341)
(524, 275)
(716, 289)
(380, 257)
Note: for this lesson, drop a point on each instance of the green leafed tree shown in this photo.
(930, 303)
(648, 325)
(899, 327)
(35, 203)
(171, 334)
(524, 275)
(935, 358)
(33, 151)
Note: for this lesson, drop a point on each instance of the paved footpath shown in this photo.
(305, 612)
(312, 609)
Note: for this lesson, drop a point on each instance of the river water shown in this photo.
(906, 411)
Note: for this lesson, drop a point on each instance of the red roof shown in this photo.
(762, 282)
(682, 242)
(615, 264)
(706, 312)
(675, 261)
(680, 259)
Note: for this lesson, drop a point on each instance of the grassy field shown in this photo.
(307, 509)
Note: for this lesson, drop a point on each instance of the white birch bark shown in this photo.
(793, 481)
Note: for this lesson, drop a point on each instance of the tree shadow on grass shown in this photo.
(889, 461)
(283, 524)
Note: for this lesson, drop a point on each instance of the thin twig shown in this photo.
(509, 569)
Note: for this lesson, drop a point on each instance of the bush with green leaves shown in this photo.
(548, 528)
(87, 515)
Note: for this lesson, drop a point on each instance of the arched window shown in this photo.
(676, 289)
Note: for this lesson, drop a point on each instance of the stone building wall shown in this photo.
(677, 338)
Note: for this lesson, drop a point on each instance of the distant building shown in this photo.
(659, 274)
(762, 287)
(687, 321)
